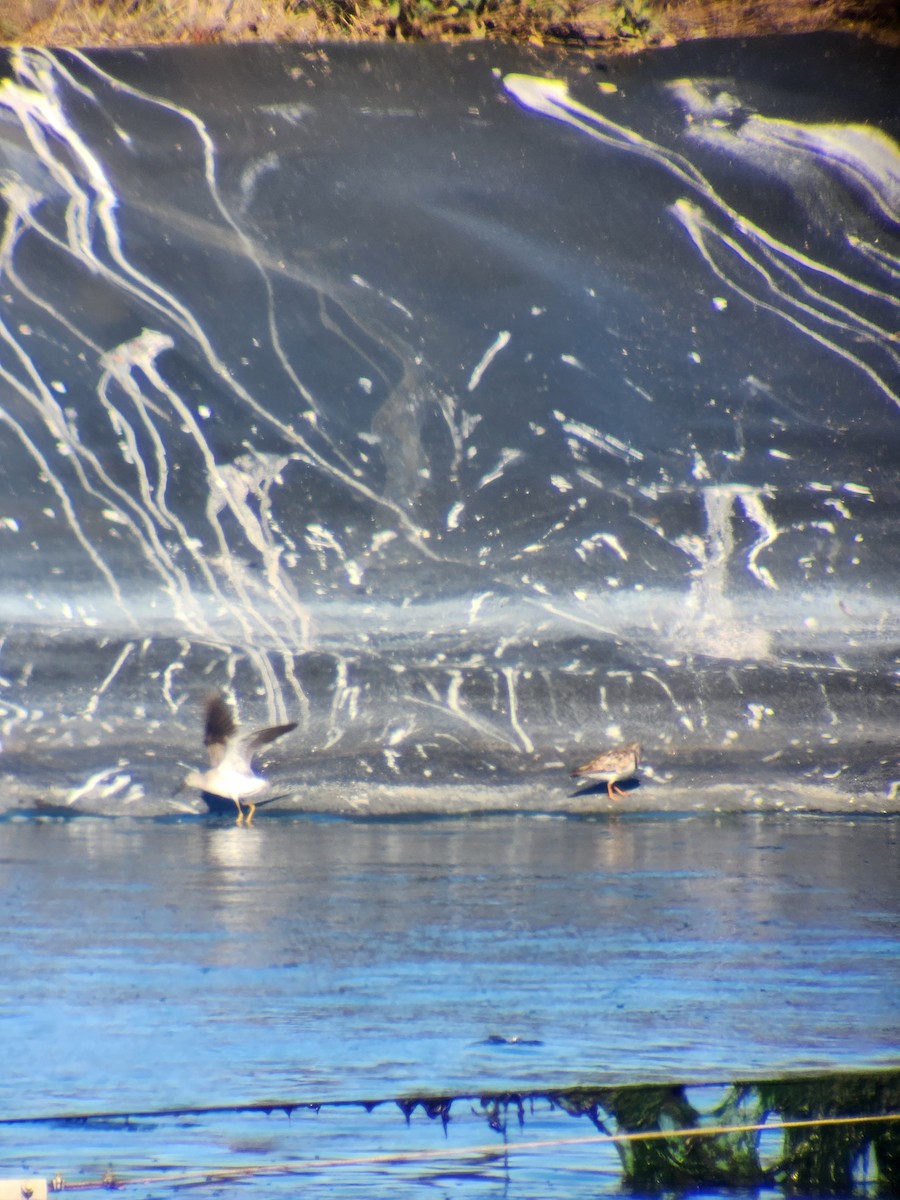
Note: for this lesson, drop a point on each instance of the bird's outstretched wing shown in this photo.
(219, 727)
(253, 741)
(220, 724)
(220, 735)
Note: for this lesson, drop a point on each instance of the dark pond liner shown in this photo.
(472, 415)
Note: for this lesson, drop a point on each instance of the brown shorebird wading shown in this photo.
(611, 766)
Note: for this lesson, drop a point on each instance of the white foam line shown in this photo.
(614, 544)
(570, 617)
(510, 674)
(242, 514)
(20, 202)
(682, 715)
(340, 692)
(38, 109)
(498, 344)
(833, 718)
(467, 718)
(887, 262)
(73, 796)
(507, 456)
(602, 441)
(828, 143)
(188, 322)
(154, 510)
(751, 502)
(475, 605)
(697, 226)
(847, 318)
(94, 701)
(851, 148)
(168, 676)
(551, 98)
(56, 484)
(61, 430)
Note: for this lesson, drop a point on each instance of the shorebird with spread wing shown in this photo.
(231, 753)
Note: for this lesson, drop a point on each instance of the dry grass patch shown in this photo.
(617, 25)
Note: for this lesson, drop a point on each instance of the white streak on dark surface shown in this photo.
(198, 490)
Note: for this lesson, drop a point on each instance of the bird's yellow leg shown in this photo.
(615, 791)
(250, 813)
(240, 816)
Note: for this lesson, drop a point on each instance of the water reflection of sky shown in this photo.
(332, 960)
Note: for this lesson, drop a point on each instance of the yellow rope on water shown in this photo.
(485, 1150)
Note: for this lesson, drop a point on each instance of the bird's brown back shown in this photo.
(605, 760)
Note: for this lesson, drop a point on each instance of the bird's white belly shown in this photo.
(234, 783)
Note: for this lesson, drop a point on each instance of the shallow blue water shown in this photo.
(153, 966)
